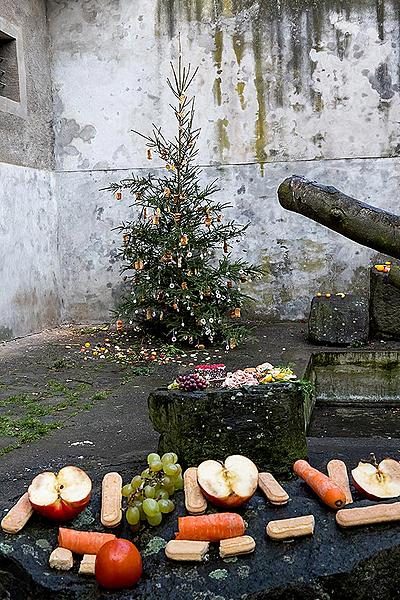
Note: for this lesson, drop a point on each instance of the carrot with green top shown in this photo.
(328, 491)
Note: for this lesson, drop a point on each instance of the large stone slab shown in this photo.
(265, 423)
(338, 321)
(359, 564)
(384, 306)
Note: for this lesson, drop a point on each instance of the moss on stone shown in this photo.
(265, 423)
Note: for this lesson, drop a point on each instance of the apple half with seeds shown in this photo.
(378, 481)
(230, 484)
(60, 496)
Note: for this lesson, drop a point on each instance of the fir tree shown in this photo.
(182, 282)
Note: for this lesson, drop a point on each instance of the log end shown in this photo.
(286, 192)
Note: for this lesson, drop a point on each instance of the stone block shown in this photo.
(265, 423)
(384, 306)
(338, 321)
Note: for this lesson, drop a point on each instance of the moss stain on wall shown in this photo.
(260, 124)
(218, 49)
(222, 137)
(240, 91)
(227, 8)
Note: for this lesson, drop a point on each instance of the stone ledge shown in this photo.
(265, 423)
(334, 564)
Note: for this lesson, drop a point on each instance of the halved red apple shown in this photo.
(60, 496)
(378, 481)
(230, 484)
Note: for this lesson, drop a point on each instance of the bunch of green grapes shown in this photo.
(148, 494)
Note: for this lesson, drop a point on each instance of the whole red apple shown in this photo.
(230, 484)
(378, 481)
(60, 496)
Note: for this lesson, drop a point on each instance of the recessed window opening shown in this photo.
(9, 77)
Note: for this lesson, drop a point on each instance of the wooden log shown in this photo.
(356, 220)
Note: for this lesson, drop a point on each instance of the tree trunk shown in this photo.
(360, 222)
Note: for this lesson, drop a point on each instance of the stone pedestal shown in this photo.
(265, 423)
(384, 306)
(338, 321)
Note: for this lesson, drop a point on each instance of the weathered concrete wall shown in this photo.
(281, 80)
(28, 140)
(300, 257)
(310, 81)
(29, 266)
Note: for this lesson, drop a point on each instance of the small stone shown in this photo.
(384, 305)
(338, 321)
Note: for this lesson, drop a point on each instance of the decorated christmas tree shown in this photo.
(182, 283)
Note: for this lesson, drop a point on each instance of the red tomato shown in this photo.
(118, 565)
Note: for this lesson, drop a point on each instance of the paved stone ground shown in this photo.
(117, 423)
(100, 409)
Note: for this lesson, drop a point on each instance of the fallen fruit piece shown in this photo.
(337, 471)
(83, 542)
(266, 366)
(61, 559)
(378, 481)
(18, 516)
(368, 515)
(111, 500)
(210, 528)
(195, 502)
(284, 529)
(243, 544)
(87, 564)
(118, 565)
(186, 550)
(272, 489)
(61, 496)
(328, 491)
(231, 484)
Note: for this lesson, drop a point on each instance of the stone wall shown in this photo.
(28, 139)
(29, 267)
(290, 86)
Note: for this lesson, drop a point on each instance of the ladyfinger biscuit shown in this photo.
(195, 502)
(272, 489)
(284, 529)
(368, 515)
(337, 471)
(87, 564)
(243, 544)
(111, 499)
(18, 516)
(186, 550)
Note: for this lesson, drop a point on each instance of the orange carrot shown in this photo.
(83, 542)
(210, 528)
(329, 492)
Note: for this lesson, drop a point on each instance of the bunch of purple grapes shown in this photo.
(191, 382)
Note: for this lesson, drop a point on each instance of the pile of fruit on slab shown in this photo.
(383, 268)
(116, 563)
(214, 376)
